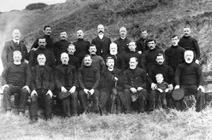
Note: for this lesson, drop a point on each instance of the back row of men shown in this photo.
(135, 74)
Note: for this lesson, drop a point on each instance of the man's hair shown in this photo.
(87, 55)
(109, 57)
(143, 30)
(72, 45)
(113, 43)
(173, 36)
(160, 54)
(41, 54)
(17, 52)
(91, 45)
(134, 58)
(46, 26)
(150, 40)
(64, 53)
(41, 38)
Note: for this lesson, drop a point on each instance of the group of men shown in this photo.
(102, 76)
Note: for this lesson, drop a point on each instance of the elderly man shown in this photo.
(123, 41)
(66, 83)
(111, 84)
(47, 30)
(81, 46)
(13, 45)
(61, 46)
(142, 42)
(50, 60)
(42, 85)
(118, 58)
(135, 86)
(189, 43)
(16, 79)
(167, 73)
(101, 42)
(88, 77)
(188, 77)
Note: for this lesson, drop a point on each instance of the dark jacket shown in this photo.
(9, 48)
(17, 75)
(65, 78)
(102, 45)
(135, 78)
(122, 45)
(130, 54)
(88, 77)
(107, 80)
(48, 80)
(142, 44)
(60, 47)
(82, 47)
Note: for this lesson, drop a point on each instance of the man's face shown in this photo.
(151, 45)
(160, 60)
(175, 41)
(71, 49)
(47, 31)
(188, 56)
(92, 50)
(80, 34)
(87, 61)
(16, 34)
(41, 60)
(144, 34)
(110, 63)
(17, 57)
(187, 32)
(101, 29)
(123, 32)
(63, 36)
(42, 43)
(159, 78)
(64, 59)
(132, 46)
(113, 49)
(133, 63)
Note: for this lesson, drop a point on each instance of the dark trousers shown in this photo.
(162, 99)
(86, 102)
(41, 101)
(199, 96)
(70, 104)
(142, 95)
(8, 91)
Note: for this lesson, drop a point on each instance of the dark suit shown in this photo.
(9, 48)
(66, 76)
(102, 45)
(42, 81)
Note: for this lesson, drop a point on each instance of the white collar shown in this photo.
(101, 36)
(16, 41)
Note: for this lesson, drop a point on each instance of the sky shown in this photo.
(8, 5)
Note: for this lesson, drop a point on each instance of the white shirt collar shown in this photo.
(16, 41)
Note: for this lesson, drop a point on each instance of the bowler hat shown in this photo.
(178, 94)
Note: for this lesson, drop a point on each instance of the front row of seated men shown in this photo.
(110, 90)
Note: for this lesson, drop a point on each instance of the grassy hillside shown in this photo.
(158, 126)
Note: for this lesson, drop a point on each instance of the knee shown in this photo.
(33, 99)
(6, 90)
(74, 95)
(48, 98)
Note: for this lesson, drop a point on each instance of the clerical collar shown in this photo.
(110, 69)
(101, 36)
(16, 41)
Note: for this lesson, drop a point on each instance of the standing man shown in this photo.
(123, 41)
(13, 45)
(81, 46)
(42, 85)
(16, 79)
(73, 60)
(101, 42)
(49, 56)
(174, 54)
(142, 42)
(66, 83)
(60, 47)
(47, 30)
(189, 43)
(167, 73)
(189, 78)
(135, 86)
(88, 77)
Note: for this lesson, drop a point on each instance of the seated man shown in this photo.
(135, 84)
(189, 77)
(42, 85)
(88, 77)
(66, 82)
(16, 79)
(111, 85)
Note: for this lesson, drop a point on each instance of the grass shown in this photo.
(159, 125)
